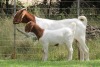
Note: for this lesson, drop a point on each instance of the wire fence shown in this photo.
(14, 44)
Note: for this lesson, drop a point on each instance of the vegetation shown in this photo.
(30, 63)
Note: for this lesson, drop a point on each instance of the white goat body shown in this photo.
(56, 24)
(80, 31)
(62, 36)
(57, 36)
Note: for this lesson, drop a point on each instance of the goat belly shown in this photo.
(54, 36)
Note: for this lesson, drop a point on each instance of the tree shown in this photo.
(66, 4)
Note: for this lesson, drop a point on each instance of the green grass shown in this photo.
(30, 63)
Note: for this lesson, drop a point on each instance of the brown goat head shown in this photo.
(33, 27)
(22, 16)
(18, 16)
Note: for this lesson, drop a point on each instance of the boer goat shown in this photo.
(22, 16)
(61, 36)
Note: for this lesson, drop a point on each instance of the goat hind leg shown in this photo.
(70, 51)
(83, 47)
(81, 52)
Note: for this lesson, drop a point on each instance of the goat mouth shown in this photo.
(16, 22)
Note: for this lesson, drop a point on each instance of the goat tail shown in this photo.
(83, 19)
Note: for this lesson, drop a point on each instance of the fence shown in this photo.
(13, 43)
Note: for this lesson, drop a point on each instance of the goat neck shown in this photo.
(37, 31)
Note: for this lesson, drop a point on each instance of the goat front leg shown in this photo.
(45, 52)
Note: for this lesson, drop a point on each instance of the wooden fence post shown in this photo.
(13, 56)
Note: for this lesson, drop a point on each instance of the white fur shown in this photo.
(65, 36)
(80, 31)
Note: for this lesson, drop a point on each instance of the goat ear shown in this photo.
(23, 14)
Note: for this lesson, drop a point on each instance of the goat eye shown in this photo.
(93, 29)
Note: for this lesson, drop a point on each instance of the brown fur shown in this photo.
(22, 16)
(33, 27)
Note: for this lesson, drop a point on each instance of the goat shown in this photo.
(62, 36)
(80, 32)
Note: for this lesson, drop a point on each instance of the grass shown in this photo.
(30, 63)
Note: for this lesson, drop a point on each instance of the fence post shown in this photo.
(13, 56)
(78, 14)
(78, 7)
(49, 7)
